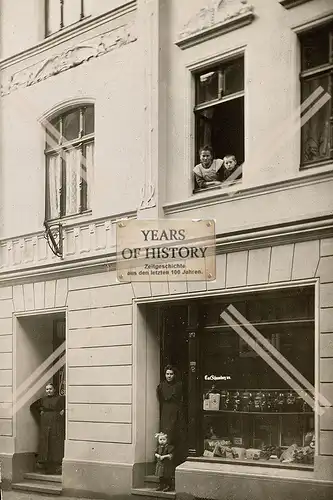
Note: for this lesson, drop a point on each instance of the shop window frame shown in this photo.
(307, 75)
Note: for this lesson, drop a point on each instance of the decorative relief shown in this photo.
(71, 57)
(216, 13)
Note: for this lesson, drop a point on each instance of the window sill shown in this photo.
(289, 4)
(223, 186)
(316, 164)
(70, 219)
(268, 464)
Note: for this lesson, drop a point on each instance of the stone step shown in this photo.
(149, 493)
(151, 478)
(38, 487)
(38, 476)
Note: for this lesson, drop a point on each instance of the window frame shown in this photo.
(62, 26)
(79, 143)
(306, 75)
(216, 64)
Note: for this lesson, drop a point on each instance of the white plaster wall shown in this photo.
(271, 90)
(23, 26)
(111, 82)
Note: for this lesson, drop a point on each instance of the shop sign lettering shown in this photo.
(165, 250)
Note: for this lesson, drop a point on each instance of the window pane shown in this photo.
(315, 49)
(248, 406)
(71, 125)
(234, 78)
(72, 11)
(316, 131)
(86, 175)
(52, 128)
(53, 186)
(53, 21)
(89, 120)
(88, 7)
(72, 166)
(207, 87)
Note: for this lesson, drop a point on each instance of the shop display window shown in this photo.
(256, 376)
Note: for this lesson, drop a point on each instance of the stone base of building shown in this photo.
(201, 480)
(96, 480)
(13, 467)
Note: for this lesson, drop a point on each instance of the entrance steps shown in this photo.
(45, 484)
(148, 492)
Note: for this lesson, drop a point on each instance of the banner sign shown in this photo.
(166, 250)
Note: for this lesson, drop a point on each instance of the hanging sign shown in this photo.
(166, 250)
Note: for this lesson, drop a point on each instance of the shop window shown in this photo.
(251, 411)
(62, 13)
(69, 155)
(219, 115)
(317, 74)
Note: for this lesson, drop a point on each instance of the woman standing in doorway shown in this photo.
(50, 411)
(172, 421)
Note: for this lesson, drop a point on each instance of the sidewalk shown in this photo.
(17, 495)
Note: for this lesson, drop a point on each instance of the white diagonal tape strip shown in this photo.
(38, 372)
(281, 359)
(19, 403)
(271, 362)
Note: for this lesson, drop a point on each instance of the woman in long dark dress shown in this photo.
(172, 421)
(50, 411)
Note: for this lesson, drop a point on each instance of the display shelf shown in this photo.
(273, 463)
(212, 412)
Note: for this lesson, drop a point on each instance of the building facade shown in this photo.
(104, 107)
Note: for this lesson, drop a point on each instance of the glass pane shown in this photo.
(86, 175)
(89, 122)
(316, 131)
(72, 166)
(52, 128)
(71, 125)
(53, 21)
(54, 186)
(250, 411)
(315, 49)
(72, 11)
(88, 7)
(207, 87)
(234, 77)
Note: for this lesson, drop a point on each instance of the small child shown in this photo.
(164, 462)
(231, 171)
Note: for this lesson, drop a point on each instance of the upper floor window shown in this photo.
(219, 122)
(69, 155)
(317, 74)
(62, 13)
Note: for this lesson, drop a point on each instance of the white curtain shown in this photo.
(87, 169)
(72, 166)
(53, 18)
(72, 11)
(54, 185)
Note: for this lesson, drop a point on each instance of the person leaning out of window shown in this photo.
(207, 172)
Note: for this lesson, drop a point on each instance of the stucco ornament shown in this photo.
(215, 12)
(69, 58)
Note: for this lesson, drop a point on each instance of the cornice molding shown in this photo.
(216, 19)
(218, 195)
(289, 4)
(66, 34)
(69, 58)
(247, 239)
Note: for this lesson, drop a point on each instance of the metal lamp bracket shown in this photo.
(54, 238)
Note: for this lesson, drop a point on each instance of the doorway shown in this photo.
(40, 360)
